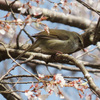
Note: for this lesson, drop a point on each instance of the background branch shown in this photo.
(9, 96)
(53, 16)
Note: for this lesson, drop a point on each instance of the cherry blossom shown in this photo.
(41, 75)
(23, 9)
(55, 7)
(64, 2)
(2, 31)
(59, 79)
(35, 11)
(29, 94)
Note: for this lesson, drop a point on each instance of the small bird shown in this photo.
(57, 41)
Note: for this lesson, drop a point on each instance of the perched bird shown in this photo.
(57, 41)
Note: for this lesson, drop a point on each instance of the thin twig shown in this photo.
(15, 66)
(88, 7)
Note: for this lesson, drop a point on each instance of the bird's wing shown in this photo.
(54, 34)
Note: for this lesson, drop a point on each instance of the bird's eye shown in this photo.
(79, 41)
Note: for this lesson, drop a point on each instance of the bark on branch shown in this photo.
(53, 16)
(8, 93)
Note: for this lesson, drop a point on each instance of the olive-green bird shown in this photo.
(57, 41)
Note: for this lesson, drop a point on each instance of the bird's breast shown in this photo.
(54, 46)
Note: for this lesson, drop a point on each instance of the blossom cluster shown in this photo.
(53, 86)
(32, 9)
(9, 27)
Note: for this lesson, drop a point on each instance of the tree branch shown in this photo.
(53, 16)
(15, 52)
(9, 96)
(84, 71)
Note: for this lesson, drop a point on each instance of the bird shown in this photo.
(57, 40)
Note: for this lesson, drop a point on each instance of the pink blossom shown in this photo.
(29, 94)
(35, 11)
(41, 75)
(55, 7)
(2, 31)
(23, 9)
(60, 79)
